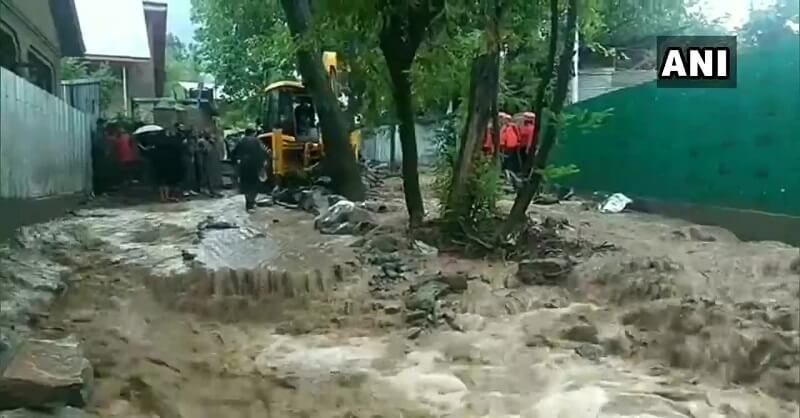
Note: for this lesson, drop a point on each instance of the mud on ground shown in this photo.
(272, 319)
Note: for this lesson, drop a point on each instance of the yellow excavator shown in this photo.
(292, 128)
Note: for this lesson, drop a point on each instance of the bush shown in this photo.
(485, 183)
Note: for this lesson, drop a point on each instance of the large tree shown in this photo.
(552, 118)
(182, 63)
(410, 56)
(339, 160)
(772, 23)
(405, 25)
(74, 68)
(245, 44)
(249, 43)
(481, 103)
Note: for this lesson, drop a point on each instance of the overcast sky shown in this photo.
(179, 19)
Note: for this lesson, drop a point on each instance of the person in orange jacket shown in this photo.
(488, 142)
(527, 132)
(510, 142)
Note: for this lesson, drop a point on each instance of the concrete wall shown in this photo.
(141, 84)
(376, 144)
(599, 81)
(34, 29)
(15, 213)
(141, 80)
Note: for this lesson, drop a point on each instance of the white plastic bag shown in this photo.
(615, 203)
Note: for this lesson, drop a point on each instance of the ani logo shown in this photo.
(696, 61)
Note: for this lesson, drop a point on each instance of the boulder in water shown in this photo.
(46, 373)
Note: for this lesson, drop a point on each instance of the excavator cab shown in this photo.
(290, 109)
(292, 126)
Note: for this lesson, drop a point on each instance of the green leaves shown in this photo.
(767, 25)
(553, 172)
(244, 43)
(182, 64)
(74, 68)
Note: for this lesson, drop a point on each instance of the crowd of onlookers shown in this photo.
(183, 162)
(180, 162)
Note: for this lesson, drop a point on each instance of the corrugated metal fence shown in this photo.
(45, 144)
(84, 95)
(377, 142)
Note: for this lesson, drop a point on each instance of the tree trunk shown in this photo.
(339, 160)
(401, 92)
(483, 83)
(540, 100)
(493, 30)
(494, 117)
(544, 83)
(405, 25)
(393, 150)
(550, 128)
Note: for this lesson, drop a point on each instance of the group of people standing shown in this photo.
(180, 162)
(184, 162)
(516, 140)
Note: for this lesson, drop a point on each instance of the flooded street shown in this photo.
(237, 315)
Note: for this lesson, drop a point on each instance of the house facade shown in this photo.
(35, 35)
(136, 55)
(45, 158)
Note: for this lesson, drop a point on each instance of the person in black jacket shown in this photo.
(250, 156)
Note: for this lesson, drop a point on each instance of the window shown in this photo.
(40, 72)
(271, 120)
(8, 49)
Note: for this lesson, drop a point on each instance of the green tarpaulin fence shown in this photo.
(736, 148)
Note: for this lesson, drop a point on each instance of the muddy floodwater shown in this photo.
(198, 310)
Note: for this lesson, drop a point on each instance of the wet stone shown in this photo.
(392, 310)
(82, 316)
(344, 218)
(188, 256)
(698, 234)
(391, 272)
(424, 249)
(382, 260)
(46, 372)
(585, 333)
(147, 394)
(359, 243)
(5, 348)
(589, 351)
(457, 282)
(545, 271)
(386, 243)
(415, 317)
(58, 413)
(794, 266)
(785, 318)
(537, 340)
(414, 333)
(424, 296)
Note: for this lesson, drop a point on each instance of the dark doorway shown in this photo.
(8, 51)
(40, 72)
